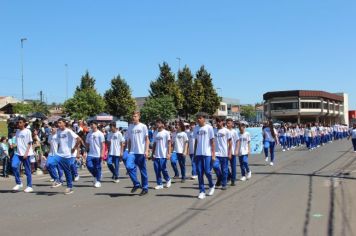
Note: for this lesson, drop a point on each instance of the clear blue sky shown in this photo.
(250, 47)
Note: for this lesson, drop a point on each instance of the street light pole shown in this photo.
(23, 95)
(178, 58)
(66, 75)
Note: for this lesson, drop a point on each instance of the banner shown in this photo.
(256, 140)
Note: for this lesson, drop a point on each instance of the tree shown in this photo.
(248, 111)
(26, 108)
(86, 101)
(86, 82)
(211, 100)
(118, 98)
(197, 97)
(185, 84)
(165, 85)
(161, 107)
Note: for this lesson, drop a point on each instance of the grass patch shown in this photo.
(3, 128)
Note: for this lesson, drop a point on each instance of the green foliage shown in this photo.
(159, 107)
(86, 101)
(86, 82)
(248, 111)
(118, 98)
(166, 85)
(211, 100)
(192, 91)
(26, 108)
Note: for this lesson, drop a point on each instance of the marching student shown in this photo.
(4, 155)
(74, 156)
(353, 136)
(22, 155)
(191, 144)
(243, 150)
(180, 144)
(234, 139)
(223, 153)
(116, 144)
(270, 140)
(138, 145)
(161, 152)
(174, 157)
(204, 154)
(65, 139)
(95, 143)
(53, 167)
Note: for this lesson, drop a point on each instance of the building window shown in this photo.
(325, 106)
(222, 108)
(311, 105)
(284, 106)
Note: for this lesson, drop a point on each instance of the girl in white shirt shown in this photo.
(270, 139)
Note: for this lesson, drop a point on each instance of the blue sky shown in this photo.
(250, 47)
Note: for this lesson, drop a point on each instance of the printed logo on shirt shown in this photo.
(22, 136)
(63, 136)
(159, 138)
(179, 136)
(137, 131)
(219, 135)
(201, 132)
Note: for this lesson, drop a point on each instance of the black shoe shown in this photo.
(233, 183)
(224, 188)
(134, 189)
(144, 192)
(218, 183)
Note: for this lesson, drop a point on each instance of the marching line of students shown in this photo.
(210, 149)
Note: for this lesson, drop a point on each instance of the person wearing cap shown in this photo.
(115, 142)
(243, 150)
(138, 146)
(161, 152)
(204, 154)
(223, 153)
(95, 143)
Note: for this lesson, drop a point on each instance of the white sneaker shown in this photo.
(354, 151)
(243, 179)
(169, 183)
(271, 164)
(17, 187)
(28, 190)
(56, 185)
(68, 191)
(202, 196)
(51, 180)
(283, 150)
(76, 179)
(116, 181)
(249, 175)
(211, 191)
(288, 149)
(266, 159)
(158, 187)
(97, 184)
(194, 177)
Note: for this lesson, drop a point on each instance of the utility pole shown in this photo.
(23, 94)
(179, 59)
(41, 96)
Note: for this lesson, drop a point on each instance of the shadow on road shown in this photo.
(176, 195)
(116, 194)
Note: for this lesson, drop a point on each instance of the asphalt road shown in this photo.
(305, 193)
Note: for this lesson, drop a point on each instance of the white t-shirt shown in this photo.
(353, 133)
(115, 139)
(191, 141)
(65, 138)
(161, 138)
(180, 139)
(95, 141)
(222, 136)
(53, 143)
(203, 135)
(244, 140)
(137, 135)
(268, 134)
(23, 138)
(234, 139)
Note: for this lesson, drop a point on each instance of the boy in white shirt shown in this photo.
(234, 138)
(204, 154)
(161, 152)
(138, 145)
(95, 143)
(223, 153)
(22, 155)
(243, 149)
(180, 143)
(116, 147)
(191, 144)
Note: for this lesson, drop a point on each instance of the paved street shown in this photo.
(305, 193)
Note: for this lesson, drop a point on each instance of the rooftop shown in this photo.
(303, 93)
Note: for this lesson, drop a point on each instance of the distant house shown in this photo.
(259, 114)
(4, 100)
(56, 111)
(7, 109)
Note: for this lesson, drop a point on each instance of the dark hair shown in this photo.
(94, 122)
(22, 119)
(113, 124)
(62, 120)
(229, 120)
(159, 120)
(181, 125)
(219, 119)
(2, 139)
(202, 115)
